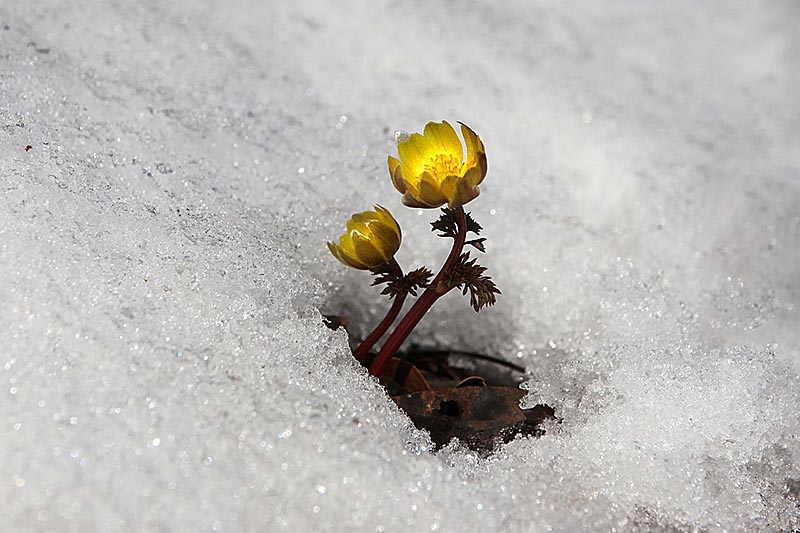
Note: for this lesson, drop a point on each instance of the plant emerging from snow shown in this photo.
(432, 171)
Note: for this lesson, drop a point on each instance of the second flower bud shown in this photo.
(370, 241)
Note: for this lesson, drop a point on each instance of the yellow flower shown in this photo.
(371, 240)
(432, 169)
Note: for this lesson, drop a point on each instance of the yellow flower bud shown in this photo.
(432, 169)
(371, 240)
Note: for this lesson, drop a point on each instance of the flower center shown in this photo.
(443, 165)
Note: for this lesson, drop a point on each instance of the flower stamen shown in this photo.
(443, 165)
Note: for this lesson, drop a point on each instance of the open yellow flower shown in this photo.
(371, 240)
(432, 170)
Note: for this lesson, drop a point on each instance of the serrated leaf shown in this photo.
(407, 284)
(473, 226)
(478, 243)
(447, 224)
(469, 276)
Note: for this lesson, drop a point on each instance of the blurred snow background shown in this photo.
(163, 363)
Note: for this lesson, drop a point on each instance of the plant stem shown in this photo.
(365, 346)
(435, 290)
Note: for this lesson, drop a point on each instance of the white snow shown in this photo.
(163, 362)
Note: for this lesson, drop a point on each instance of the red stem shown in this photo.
(365, 346)
(435, 290)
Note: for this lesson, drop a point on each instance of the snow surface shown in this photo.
(164, 365)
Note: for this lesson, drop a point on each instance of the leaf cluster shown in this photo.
(469, 276)
(402, 285)
(447, 226)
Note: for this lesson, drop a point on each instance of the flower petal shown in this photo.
(388, 220)
(482, 164)
(465, 192)
(430, 191)
(411, 182)
(357, 223)
(448, 186)
(346, 245)
(339, 254)
(366, 252)
(444, 139)
(334, 249)
(410, 200)
(476, 153)
(396, 173)
(472, 176)
(415, 152)
(385, 239)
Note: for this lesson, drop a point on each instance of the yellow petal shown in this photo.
(385, 239)
(476, 153)
(396, 172)
(444, 139)
(414, 153)
(382, 213)
(366, 252)
(387, 218)
(410, 181)
(448, 186)
(346, 245)
(339, 254)
(482, 164)
(393, 163)
(357, 222)
(472, 176)
(333, 249)
(465, 192)
(410, 200)
(471, 140)
(429, 190)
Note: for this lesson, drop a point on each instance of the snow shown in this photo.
(163, 361)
